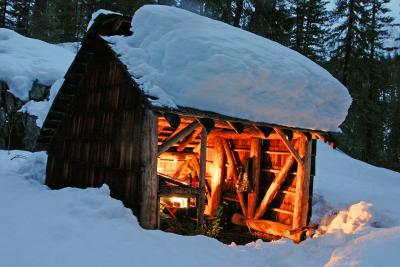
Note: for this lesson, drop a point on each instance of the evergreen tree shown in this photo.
(3, 12)
(271, 19)
(310, 29)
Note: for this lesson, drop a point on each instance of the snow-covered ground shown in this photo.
(75, 227)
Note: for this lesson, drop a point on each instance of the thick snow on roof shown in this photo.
(98, 13)
(23, 60)
(187, 60)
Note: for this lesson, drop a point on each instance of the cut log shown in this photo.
(266, 131)
(172, 119)
(301, 201)
(252, 197)
(274, 187)
(207, 123)
(289, 146)
(236, 126)
(233, 170)
(177, 137)
(263, 226)
(202, 178)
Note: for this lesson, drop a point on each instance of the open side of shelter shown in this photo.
(102, 128)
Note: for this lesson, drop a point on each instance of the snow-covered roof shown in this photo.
(98, 13)
(24, 60)
(185, 60)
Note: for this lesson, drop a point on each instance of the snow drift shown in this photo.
(182, 59)
(86, 227)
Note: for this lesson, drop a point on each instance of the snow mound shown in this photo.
(377, 248)
(41, 108)
(350, 220)
(24, 60)
(183, 59)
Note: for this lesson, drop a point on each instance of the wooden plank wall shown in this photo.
(99, 141)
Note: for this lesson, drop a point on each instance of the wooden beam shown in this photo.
(252, 197)
(202, 178)
(303, 179)
(149, 201)
(233, 169)
(246, 134)
(217, 178)
(236, 126)
(188, 140)
(274, 188)
(172, 119)
(178, 191)
(177, 137)
(263, 226)
(289, 146)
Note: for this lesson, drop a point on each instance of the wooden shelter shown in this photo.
(102, 128)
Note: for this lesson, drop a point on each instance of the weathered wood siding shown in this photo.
(99, 141)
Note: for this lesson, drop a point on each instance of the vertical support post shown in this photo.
(202, 178)
(301, 201)
(252, 197)
(217, 177)
(149, 202)
(233, 171)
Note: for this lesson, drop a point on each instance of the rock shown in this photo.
(18, 130)
(39, 92)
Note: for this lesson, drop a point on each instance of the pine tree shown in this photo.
(310, 30)
(271, 19)
(3, 12)
(376, 34)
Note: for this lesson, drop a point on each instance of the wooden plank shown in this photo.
(202, 178)
(232, 166)
(264, 226)
(178, 191)
(273, 188)
(149, 203)
(289, 146)
(252, 197)
(303, 179)
(188, 140)
(217, 178)
(177, 137)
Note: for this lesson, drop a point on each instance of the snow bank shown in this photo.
(23, 60)
(182, 59)
(41, 108)
(377, 248)
(86, 227)
(350, 220)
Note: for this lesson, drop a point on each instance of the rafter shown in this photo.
(289, 146)
(177, 137)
